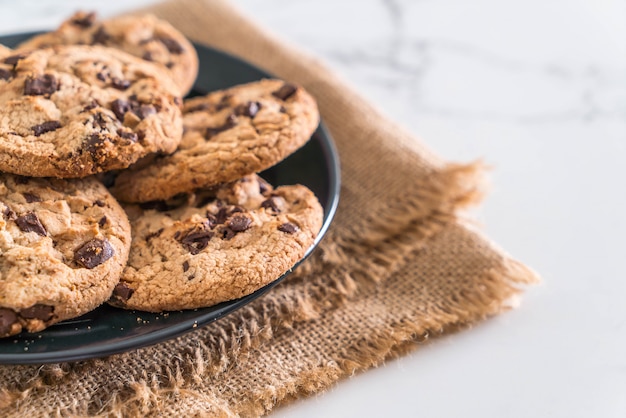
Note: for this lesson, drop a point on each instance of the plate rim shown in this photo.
(331, 155)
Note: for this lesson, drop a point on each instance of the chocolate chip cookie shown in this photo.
(63, 245)
(215, 246)
(228, 134)
(145, 37)
(72, 111)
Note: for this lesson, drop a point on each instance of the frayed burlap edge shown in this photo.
(336, 272)
(371, 351)
(356, 257)
(505, 284)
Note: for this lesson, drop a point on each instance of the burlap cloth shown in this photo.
(398, 265)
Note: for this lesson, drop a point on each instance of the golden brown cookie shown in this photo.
(5, 51)
(63, 245)
(215, 246)
(72, 111)
(228, 134)
(145, 37)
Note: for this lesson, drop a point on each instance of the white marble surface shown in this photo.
(536, 88)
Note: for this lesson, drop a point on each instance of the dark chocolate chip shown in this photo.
(173, 46)
(197, 239)
(270, 203)
(185, 265)
(100, 36)
(5, 74)
(169, 65)
(95, 145)
(239, 223)
(13, 59)
(212, 220)
(38, 311)
(99, 203)
(102, 76)
(7, 212)
(30, 197)
(43, 85)
(225, 212)
(144, 111)
(102, 221)
(120, 84)
(282, 109)
(30, 223)
(122, 292)
(49, 126)
(249, 109)
(21, 180)
(99, 120)
(7, 318)
(131, 136)
(288, 227)
(147, 56)
(224, 102)
(231, 122)
(228, 233)
(120, 107)
(85, 21)
(221, 216)
(263, 186)
(154, 234)
(90, 106)
(285, 91)
(198, 108)
(93, 253)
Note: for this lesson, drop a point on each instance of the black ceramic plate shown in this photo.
(109, 330)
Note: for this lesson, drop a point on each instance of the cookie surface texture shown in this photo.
(72, 111)
(228, 134)
(63, 246)
(216, 248)
(5, 51)
(145, 37)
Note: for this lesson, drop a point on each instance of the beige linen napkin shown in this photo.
(398, 265)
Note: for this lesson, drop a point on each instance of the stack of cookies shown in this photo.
(113, 189)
